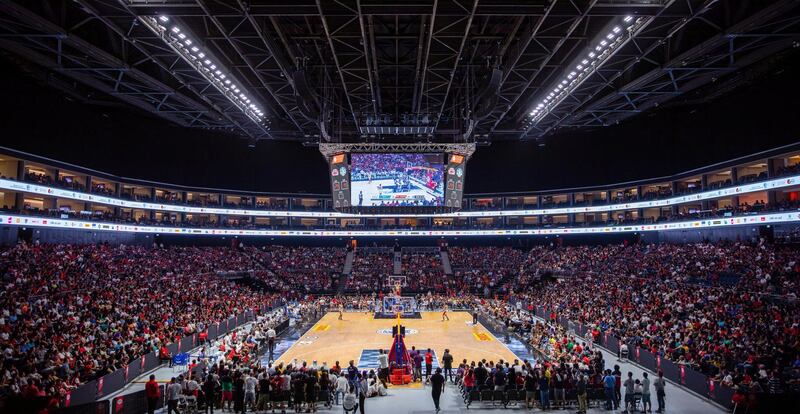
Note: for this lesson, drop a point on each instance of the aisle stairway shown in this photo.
(348, 263)
(445, 257)
(398, 263)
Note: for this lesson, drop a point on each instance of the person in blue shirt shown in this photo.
(352, 374)
(544, 390)
(609, 383)
(499, 380)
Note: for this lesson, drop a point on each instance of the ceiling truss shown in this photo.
(389, 59)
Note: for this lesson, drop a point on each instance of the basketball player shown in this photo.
(444, 314)
(341, 311)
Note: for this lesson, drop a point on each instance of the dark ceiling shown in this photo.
(321, 70)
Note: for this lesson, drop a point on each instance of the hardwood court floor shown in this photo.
(331, 340)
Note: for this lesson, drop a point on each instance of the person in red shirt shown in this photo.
(164, 355)
(153, 394)
(428, 364)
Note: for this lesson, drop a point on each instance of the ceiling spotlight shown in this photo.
(585, 62)
(610, 36)
(181, 43)
(603, 43)
(628, 18)
(591, 54)
(579, 67)
(616, 29)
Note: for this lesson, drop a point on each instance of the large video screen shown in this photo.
(396, 180)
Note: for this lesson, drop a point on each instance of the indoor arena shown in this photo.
(402, 207)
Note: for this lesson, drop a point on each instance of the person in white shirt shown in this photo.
(271, 341)
(383, 363)
(173, 395)
(192, 387)
(341, 387)
(250, 383)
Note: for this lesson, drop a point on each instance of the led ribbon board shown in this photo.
(761, 219)
(775, 184)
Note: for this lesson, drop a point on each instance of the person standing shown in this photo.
(437, 387)
(428, 364)
(617, 386)
(349, 403)
(263, 392)
(173, 394)
(352, 374)
(558, 390)
(447, 359)
(210, 392)
(481, 374)
(530, 390)
(341, 387)
(383, 364)
(363, 387)
(500, 379)
(227, 390)
(580, 387)
(153, 394)
(647, 406)
(659, 385)
(629, 390)
(238, 394)
(608, 386)
(418, 366)
(271, 334)
(444, 314)
(474, 317)
(250, 384)
(544, 391)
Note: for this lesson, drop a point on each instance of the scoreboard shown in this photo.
(397, 182)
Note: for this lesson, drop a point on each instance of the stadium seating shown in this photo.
(724, 309)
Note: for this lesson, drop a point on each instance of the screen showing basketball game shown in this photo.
(396, 180)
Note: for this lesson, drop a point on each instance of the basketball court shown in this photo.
(359, 336)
